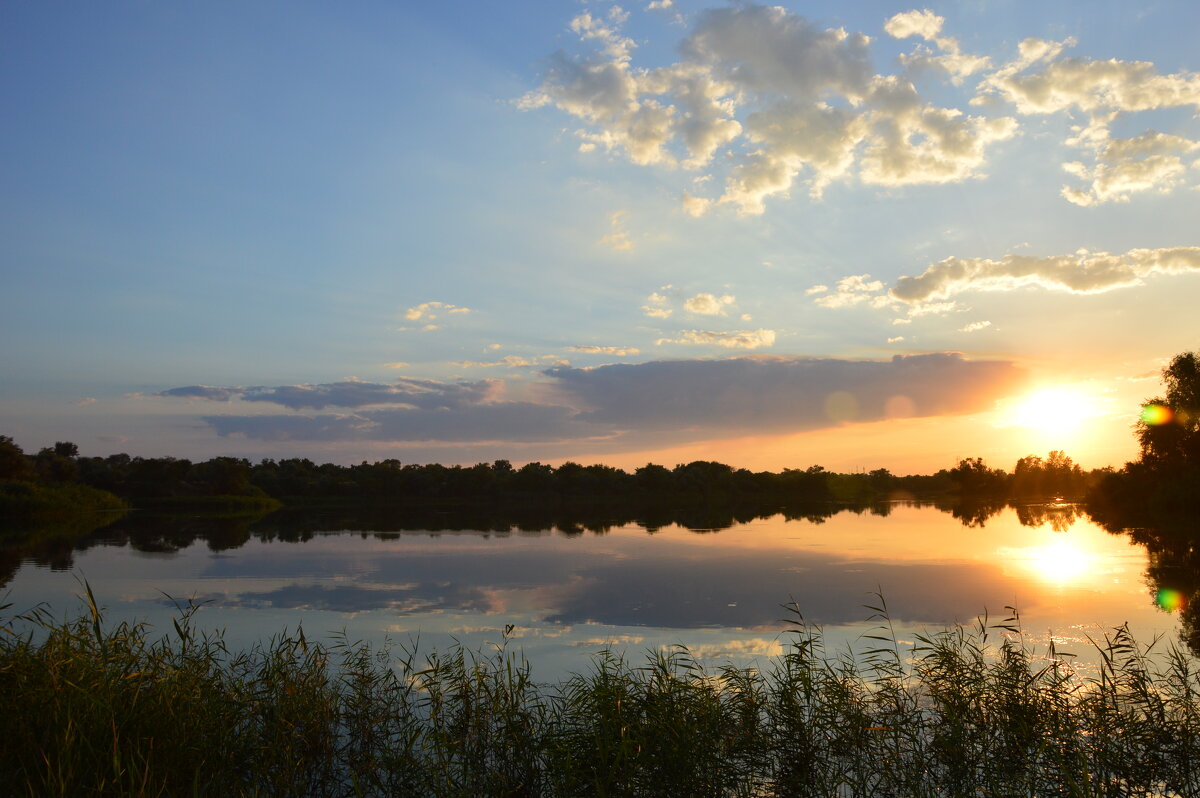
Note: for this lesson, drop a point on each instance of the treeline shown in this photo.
(1165, 479)
(230, 482)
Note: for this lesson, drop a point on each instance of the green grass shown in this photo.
(94, 708)
(25, 499)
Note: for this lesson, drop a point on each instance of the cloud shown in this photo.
(432, 310)
(1080, 273)
(975, 326)
(767, 393)
(816, 289)
(424, 394)
(896, 340)
(398, 364)
(853, 290)
(708, 304)
(695, 206)
(780, 98)
(657, 313)
(625, 405)
(618, 351)
(927, 25)
(1087, 85)
(734, 339)
(518, 422)
(618, 238)
(1103, 90)
(1121, 167)
(84, 401)
(512, 361)
(202, 392)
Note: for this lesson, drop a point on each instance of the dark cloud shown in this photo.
(661, 402)
(202, 392)
(423, 394)
(758, 394)
(505, 421)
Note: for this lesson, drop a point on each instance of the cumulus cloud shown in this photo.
(1152, 161)
(733, 339)
(429, 311)
(947, 56)
(784, 100)
(708, 304)
(1080, 273)
(975, 326)
(895, 340)
(617, 351)
(1040, 81)
(856, 289)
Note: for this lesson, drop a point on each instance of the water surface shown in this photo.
(567, 591)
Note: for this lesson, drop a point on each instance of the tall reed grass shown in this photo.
(99, 708)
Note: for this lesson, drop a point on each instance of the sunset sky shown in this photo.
(855, 234)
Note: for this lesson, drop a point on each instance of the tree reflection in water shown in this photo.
(1173, 575)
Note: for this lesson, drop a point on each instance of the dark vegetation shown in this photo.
(93, 708)
(231, 484)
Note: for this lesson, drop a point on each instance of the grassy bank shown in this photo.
(115, 709)
(20, 499)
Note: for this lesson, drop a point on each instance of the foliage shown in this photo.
(1165, 479)
(100, 709)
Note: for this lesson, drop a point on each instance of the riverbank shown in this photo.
(115, 708)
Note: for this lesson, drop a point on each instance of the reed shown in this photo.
(100, 708)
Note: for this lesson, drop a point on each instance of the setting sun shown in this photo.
(1051, 410)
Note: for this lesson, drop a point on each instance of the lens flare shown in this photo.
(1170, 600)
(1156, 415)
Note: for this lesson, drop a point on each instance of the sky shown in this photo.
(857, 235)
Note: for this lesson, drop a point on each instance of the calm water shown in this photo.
(569, 592)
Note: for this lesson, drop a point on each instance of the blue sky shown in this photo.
(497, 203)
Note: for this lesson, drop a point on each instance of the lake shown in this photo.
(715, 582)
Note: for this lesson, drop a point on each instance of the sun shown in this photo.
(1052, 410)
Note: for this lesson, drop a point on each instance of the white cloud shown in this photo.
(513, 362)
(975, 326)
(1151, 161)
(431, 310)
(895, 340)
(695, 206)
(656, 5)
(898, 322)
(932, 309)
(734, 339)
(782, 98)
(398, 364)
(816, 289)
(708, 304)
(1080, 273)
(617, 238)
(657, 313)
(1103, 90)
(927, 25)
(856, 289)
(617, 351)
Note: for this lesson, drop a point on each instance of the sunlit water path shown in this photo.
(567, 594)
